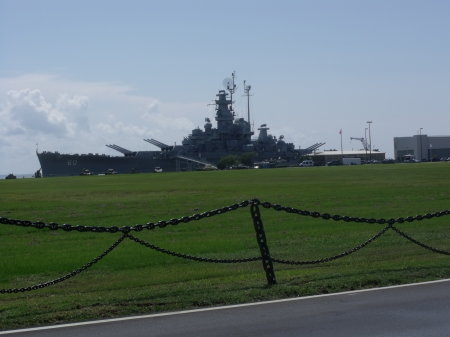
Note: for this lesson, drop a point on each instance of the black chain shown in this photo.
(124, 229)
(406, 236)
(67, 276)
(265, 256)
(219, 211)
(335, 217)
(331, 258)
(262, 243)
(190, 257)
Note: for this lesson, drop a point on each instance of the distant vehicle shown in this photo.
(110, 171)
(413, 160)
(37, 174)
(86, 172)
(409, 158)
(351, 161)
(263, 164)
(10, 176)
(158, 169)
(207, 167)
(239, 167)
(306, 163)
(388, 161)
(334, 163)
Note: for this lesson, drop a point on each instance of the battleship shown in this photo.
(202, 149)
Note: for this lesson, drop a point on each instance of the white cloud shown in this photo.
(78, 117)
(72, 103)
(28, 110)
(153, 106)
(119, 129)
(75, 108)
(166, 121)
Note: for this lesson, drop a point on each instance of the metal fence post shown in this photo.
(261, 238)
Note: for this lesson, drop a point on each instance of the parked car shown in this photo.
(409, 158)
(239, 167)
(86, 172)
(306, 163)
(334, 163)
(207, 167)
(110, 171)
(158, 169)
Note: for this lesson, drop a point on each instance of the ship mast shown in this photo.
(247, 93)
(231, 88)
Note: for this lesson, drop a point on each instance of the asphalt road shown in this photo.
(419, 310)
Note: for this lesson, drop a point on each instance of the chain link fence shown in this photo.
(254, 204)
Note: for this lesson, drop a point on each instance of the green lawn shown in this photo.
(134, 279)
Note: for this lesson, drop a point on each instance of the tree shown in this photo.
(227, 161)
(247, 159)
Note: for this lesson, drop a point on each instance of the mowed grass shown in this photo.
(134, 279)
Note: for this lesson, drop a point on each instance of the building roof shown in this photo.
(344, 153)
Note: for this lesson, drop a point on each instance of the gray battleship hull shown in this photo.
(54, 164)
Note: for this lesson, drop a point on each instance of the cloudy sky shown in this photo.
(77, 75)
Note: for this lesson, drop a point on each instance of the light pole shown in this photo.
(365, 140)
(420, 137)
(370, 142)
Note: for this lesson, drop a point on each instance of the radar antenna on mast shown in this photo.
(247, 93)
(228, 83)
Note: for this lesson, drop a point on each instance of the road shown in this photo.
(418, 310)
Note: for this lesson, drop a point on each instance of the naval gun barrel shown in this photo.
(311, 148)
(162, 146)
(119, 148)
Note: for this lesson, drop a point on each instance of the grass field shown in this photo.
(134, 279)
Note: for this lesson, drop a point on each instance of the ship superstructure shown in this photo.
(201, 148)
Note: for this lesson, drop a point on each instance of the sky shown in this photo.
(77, 75)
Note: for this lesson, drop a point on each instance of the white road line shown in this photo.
(352, 292)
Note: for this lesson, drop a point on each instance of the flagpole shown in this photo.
(342, 151)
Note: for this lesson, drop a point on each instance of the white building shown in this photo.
(422, 147)
(323, 157)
